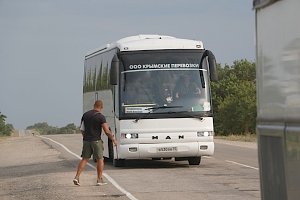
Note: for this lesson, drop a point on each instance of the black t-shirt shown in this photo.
(93, 121)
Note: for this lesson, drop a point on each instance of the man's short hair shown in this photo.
(98, 104)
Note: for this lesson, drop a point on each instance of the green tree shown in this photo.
(104, 78)
(69, 129)
(94, 79)
(5, 129)
(99, 86)
(234, 98)
(44, 129)
(89, 81)
(85, 83)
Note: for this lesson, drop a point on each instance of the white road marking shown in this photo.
(236, 163)
(110, 179)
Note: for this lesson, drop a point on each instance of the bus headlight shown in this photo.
(205, 133)
(130, 135)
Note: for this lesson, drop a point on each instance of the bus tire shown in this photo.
(119, 162)
(194, 160)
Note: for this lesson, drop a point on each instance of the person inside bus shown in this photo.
(185, 88)
(139, 91)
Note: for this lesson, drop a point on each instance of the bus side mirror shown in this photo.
(212, 65)
(114, 71)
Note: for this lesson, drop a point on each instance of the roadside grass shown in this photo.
(243, 138)
(2, 137)
(14, 133)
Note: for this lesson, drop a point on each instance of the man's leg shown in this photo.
(98, 153)
(100, 166)
(86, 155)
(80, 168)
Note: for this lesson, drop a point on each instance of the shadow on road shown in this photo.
(148, 164)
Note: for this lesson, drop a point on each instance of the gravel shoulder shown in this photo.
(31, 169)
(251, 145)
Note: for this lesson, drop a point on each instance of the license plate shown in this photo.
(167, 149)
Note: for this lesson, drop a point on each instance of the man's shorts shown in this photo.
(92, 147)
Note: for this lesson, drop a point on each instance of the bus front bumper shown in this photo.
(165, 150)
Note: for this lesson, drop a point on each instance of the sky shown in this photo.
(43, 44)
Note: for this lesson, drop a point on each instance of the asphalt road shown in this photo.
(38, 168)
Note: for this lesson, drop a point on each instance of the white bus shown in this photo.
(141, 81)
(278, 96)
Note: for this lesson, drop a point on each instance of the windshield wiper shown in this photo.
(186, 113)
(162, 107)
(156, 108)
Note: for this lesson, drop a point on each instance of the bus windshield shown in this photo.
(164, 82)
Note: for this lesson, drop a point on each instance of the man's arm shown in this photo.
(82, 128)
(109, 134)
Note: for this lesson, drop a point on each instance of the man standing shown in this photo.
(92, 123)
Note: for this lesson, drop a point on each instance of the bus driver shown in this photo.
(185, 88)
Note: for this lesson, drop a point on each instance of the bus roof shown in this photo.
(148, 42)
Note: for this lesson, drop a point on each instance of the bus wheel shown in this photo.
(194, 160)
(119, 162)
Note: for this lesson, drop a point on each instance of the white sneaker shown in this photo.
(101, 182)
(76, 181)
